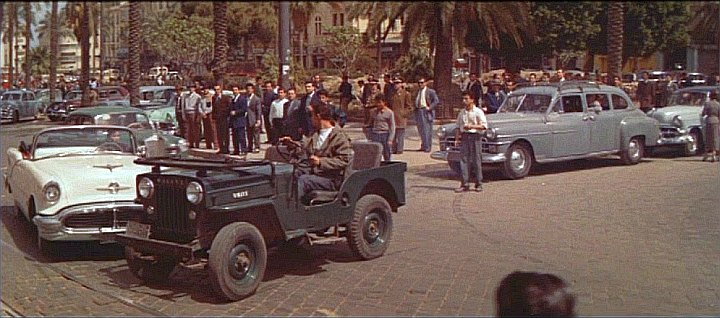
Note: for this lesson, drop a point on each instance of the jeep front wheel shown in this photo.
(147, 270)
(371, 227)
(237, 261)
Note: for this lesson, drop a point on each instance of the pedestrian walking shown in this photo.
(238, 121)
(346, 94)
(179, 98)
(382, 126)
(191, 114)
(711, 113)
(425, 103)
(220, 117)
(646, 92)
(276, 116)
(254, 118)
(388, 89)
(524, 294)
(402, 107)
(339, 117)
(472, 122)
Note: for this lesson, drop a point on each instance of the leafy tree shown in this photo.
(343, 46)
(40, 60)
(616, 22)
(416, 62)
(270, 69)
(704, 25)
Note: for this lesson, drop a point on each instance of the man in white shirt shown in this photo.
(472, 122)
(276, 115)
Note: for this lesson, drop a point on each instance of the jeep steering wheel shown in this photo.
(291, 156)
(109, 146)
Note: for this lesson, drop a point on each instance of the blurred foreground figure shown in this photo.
(522, 294)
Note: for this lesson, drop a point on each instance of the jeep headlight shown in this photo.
(51, 192)
(145, 187)
(490, 134)
(677, 121)
(441, 132)
(194, 192)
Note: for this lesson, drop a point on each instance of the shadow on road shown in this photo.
(24, 237)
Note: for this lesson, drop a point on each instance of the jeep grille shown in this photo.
(172, 222)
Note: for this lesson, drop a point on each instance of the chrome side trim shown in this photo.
(588, 155)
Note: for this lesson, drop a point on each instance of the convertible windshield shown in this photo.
(82, 140)
(688, 99)
(525, 103)
(130, 120)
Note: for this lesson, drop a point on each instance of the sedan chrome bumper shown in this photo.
(451, 155)
(88, 222)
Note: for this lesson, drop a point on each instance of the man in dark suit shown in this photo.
(328, 151)
(426, 102)
(475, 86)
(303, 113)
(254, 116)
(646, 92)
(220, 114)
(267, 98)
(238, 121)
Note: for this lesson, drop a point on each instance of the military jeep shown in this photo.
(225, 214)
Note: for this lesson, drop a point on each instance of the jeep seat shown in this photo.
(366, 155)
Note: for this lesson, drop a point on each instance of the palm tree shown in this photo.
(446, 21)
(705, 25)
(219, 62)
(28, 37)
(53, 47)
(10, 39)
(134, 42)
(77, 18)
(616, 22)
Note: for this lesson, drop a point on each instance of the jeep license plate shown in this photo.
(138, 229)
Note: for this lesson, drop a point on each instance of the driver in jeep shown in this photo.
(327, 151)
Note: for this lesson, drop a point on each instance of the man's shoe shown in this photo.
(462, 189)
(478, 188)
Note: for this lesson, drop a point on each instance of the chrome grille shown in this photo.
(103, 218)
(669, 132)
(447, 144)
(172, 221)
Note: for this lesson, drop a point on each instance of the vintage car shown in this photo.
(73, 100)
(557, 122)
(75, 183)
(150, 94)
(135, 119)
(44, 100)
(680, 121)
(693, 79)
(226, 214)
(18, 104)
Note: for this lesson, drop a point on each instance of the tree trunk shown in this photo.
(134, 37)
(219, 63)
(28, 22)
(12, 20)
(85, 52)
(442, 69)
(53, 48)
(615, 38)
(379, 51)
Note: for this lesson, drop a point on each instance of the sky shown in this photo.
(40, 15)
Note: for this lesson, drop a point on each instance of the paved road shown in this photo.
(640, 240)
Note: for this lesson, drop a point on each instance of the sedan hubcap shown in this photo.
(517, 160)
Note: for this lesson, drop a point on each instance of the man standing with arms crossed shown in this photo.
(425, 103)
(238, 121)
(471, 121)
(220, 116)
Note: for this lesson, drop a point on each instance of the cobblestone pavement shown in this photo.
(640, 240)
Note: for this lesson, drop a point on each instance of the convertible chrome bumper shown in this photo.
(88, 222)
(451, 155)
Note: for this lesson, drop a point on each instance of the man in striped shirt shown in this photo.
(471, 121)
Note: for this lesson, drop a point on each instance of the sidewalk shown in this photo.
(416, 160)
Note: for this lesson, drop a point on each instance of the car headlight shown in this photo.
(490, 134)
(677, 121)
(51, 191)
(194, 192)
(441, 132)
(145, 187)
(183, 145)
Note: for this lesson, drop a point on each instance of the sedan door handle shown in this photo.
(585, 118)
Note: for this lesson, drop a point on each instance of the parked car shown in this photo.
(18, 104)
(75, 183)
(228, 214)
(73, 100)
(163, 115)
(680, 121)
(135, 119)
(150, 94)
(693, 79)
(44, 100)
(556, 122)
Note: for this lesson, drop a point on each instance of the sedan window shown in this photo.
(619, 102)
(526, 103)
(572, 104)
(601, 99)
(688, 98)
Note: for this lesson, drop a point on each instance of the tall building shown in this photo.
(17, 58)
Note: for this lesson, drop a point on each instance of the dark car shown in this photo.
(227, 214)
(73, 100)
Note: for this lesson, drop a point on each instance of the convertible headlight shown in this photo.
(51, 191)
(441, 132)
(194, 192)
(490, 134)
(145, 187)
(677, 121)
(183, 145)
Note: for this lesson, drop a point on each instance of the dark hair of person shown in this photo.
(309, 82)
(291, 89)
(533, 294)
(268, 82)
(379, 98)
(249, 85)
(323, 92)
(713, 94)
(280, 89)
(469, 94)
(361, 82)
(323, 110)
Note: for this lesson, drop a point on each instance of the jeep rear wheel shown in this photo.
(633, 151)
(157, 270)
(518, 161)
(371, 227)
(238, 257)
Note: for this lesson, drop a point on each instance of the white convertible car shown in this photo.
(76, 182)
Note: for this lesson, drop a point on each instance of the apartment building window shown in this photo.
(318, 25)
(342, 19)
(335, 19)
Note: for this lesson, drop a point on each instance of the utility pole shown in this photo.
(284, 52)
